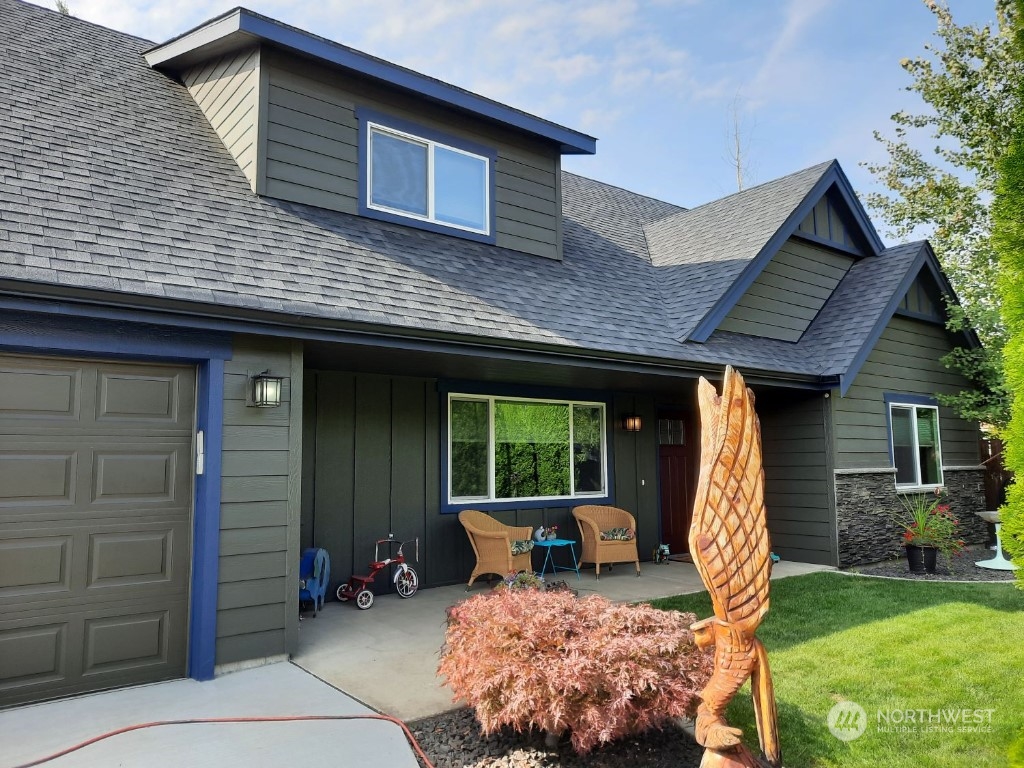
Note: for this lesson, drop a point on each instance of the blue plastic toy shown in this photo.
(314, 575)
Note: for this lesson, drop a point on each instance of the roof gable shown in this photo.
(730, 241)
(852, 322)
(242, 28)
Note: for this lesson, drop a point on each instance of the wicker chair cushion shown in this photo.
(518, 547)
(617, 534)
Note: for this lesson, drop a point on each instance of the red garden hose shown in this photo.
(205, 720)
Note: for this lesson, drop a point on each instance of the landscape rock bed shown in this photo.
(453, 740)
(957, 568)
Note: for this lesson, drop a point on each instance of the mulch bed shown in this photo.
(958, 568)
(453, 740)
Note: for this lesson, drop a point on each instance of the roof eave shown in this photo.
(240, 27)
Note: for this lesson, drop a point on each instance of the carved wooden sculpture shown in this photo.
(730, 547)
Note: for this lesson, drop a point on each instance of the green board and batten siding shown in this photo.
(257, 595)
(906, 360)
(789, 292)
(797, 472)
(312, 151)
(227, 89)
(378, 471)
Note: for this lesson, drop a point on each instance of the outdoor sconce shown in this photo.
(265, 390)
(632, 422)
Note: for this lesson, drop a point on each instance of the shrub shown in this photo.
(548, 660)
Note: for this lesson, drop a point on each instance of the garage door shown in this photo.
(95, 513)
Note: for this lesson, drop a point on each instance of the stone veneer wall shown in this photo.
(867, 501)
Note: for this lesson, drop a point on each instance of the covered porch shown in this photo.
(375, 426)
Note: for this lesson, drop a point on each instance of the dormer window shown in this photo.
(416, 176)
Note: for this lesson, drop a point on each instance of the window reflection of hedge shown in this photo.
(531, 452)
(469, 448)
(586, 429)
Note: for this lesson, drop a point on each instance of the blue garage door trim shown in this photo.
(38, 334)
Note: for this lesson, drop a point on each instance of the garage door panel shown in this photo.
(131, 559)
(129, 477)
(33, 655)
(37, 391)
(31, 478)
(116, 643)
(35, 565)
(95, 524)
(160, 397)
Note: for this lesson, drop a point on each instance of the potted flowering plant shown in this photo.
(928, 527)
(551, 532)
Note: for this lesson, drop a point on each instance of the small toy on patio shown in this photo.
(314, 574)
(406, 581)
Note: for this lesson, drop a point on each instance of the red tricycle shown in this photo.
(406, 581)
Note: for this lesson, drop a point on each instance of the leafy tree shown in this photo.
(965, 81)
(1008, 241)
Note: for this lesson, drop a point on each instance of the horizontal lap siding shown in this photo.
(258, 553)
(906, 360)
(797, 490)
(313, 151)
(788, 293)
(227, 90)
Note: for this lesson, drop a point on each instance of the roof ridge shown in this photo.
(823, 165)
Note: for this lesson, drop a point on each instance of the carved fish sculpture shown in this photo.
(730, 547)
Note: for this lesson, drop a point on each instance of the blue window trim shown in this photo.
(445, 388)
(34, 334)
(366, 116)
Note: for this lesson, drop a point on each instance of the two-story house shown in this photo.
(250, 215)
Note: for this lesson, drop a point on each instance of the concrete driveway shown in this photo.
(33, 732)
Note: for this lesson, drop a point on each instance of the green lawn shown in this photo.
(888, 646)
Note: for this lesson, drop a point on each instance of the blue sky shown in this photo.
(656, 81)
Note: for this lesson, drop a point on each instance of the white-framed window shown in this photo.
(507, 448)
(427, 180)
(916, 446)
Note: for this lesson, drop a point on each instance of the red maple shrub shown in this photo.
(548, 660)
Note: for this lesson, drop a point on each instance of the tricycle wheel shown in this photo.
(341, 593)
(407, 582)
(364, 598)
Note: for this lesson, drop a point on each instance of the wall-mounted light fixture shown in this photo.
(631, 422)
(265, 390)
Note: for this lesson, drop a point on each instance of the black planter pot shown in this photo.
(921, 559)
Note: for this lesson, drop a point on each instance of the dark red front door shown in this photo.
(674, 480)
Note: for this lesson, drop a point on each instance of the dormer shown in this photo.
(315, 122)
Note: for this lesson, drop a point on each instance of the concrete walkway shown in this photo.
(387, 656)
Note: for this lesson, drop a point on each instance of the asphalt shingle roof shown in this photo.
(112, 179)
(702, 251)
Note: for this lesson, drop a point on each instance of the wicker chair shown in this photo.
(593, 519)
(492, 545)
